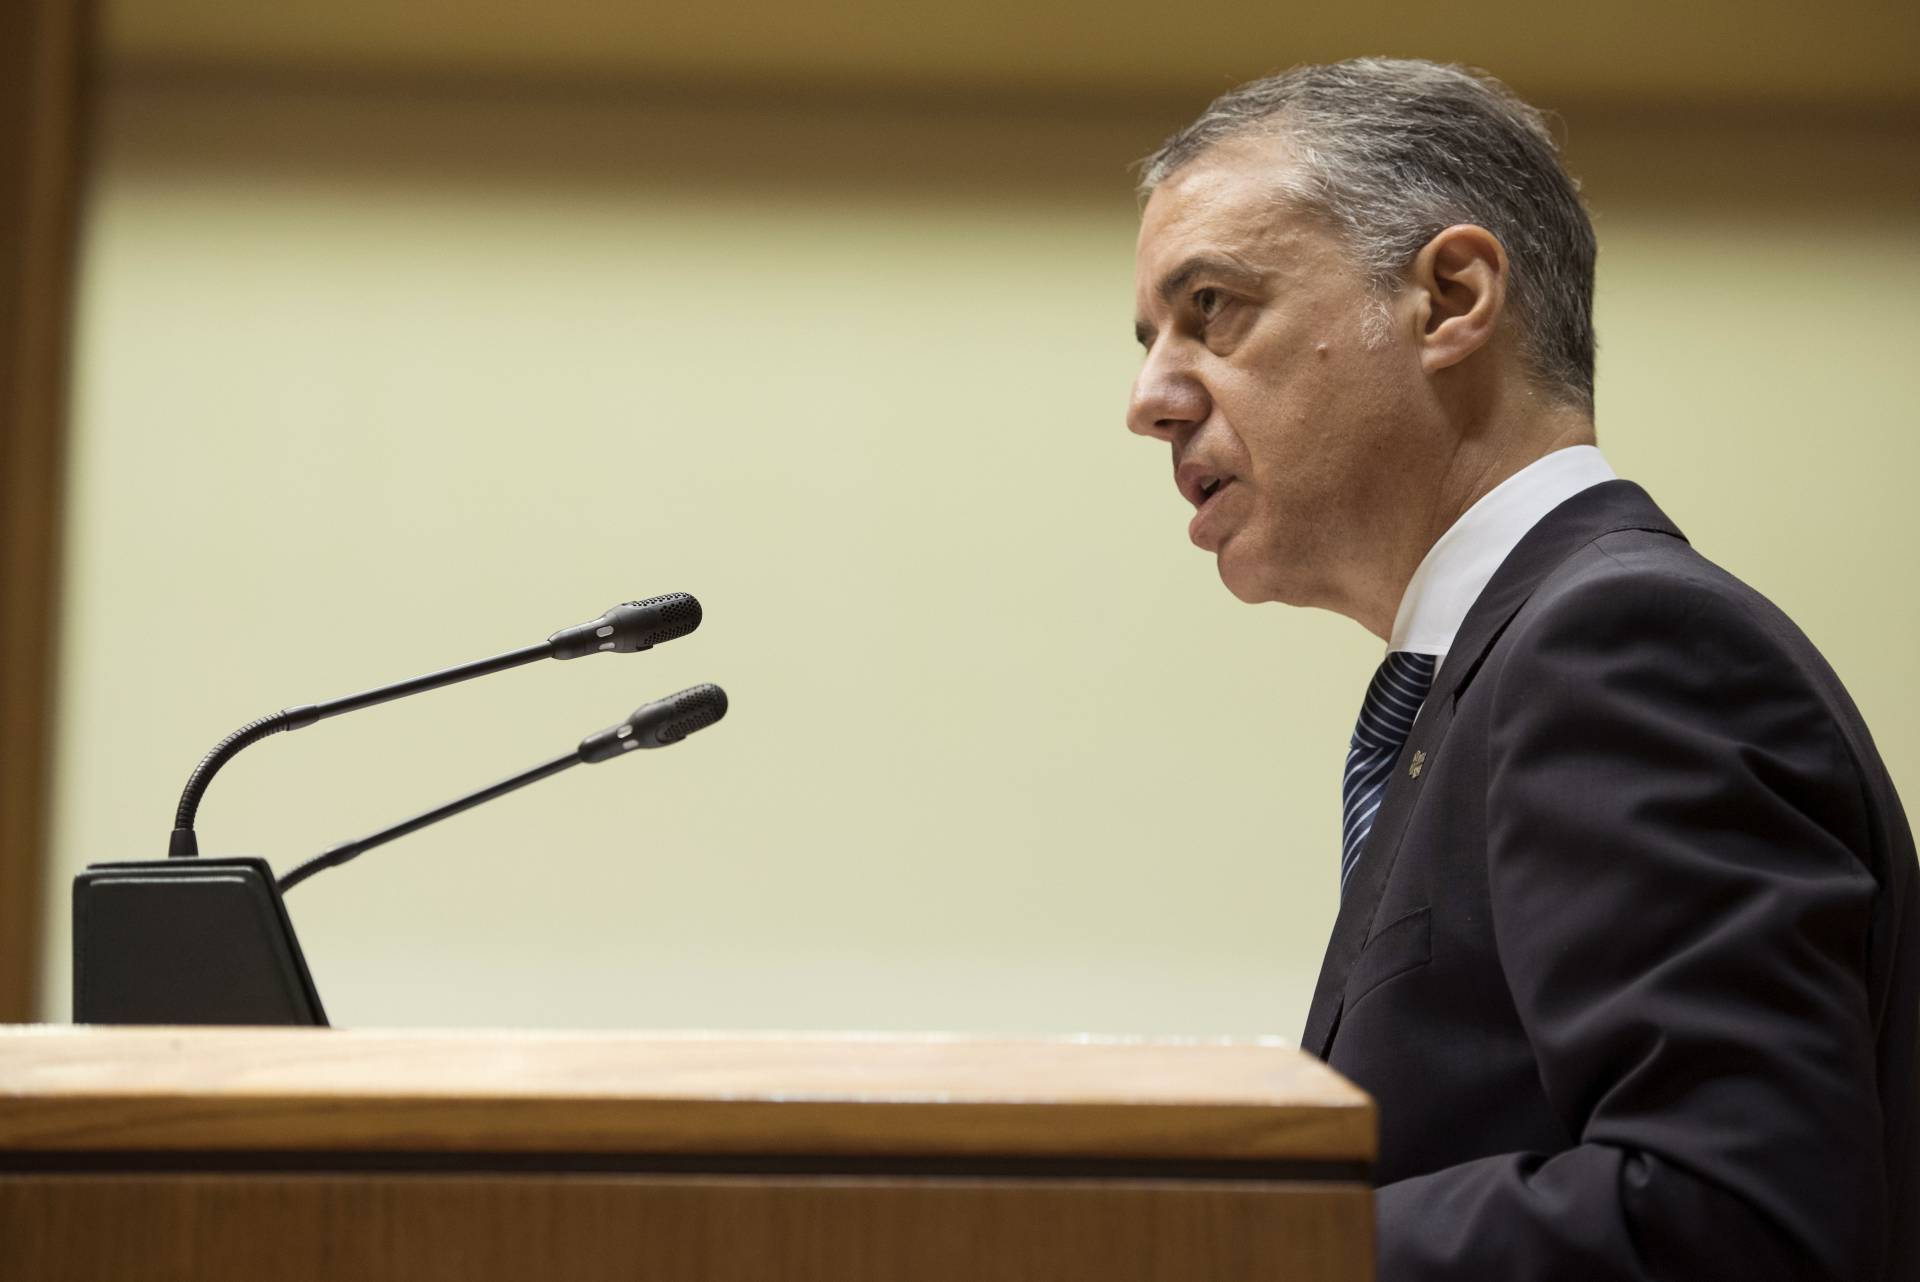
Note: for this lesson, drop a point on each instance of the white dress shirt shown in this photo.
(1458, 565)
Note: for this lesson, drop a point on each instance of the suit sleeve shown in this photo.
(1683, 924)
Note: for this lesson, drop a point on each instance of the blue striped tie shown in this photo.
(1386, 719)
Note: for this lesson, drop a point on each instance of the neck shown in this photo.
(1481, 457)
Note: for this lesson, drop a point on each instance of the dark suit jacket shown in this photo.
(1631, 959)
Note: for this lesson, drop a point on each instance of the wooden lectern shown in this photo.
(289, 1154)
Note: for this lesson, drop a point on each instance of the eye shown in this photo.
(1208, 301)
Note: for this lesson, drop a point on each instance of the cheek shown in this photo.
(1357, 391)
(1316, 449)
(1281, 419)
(1305, 397)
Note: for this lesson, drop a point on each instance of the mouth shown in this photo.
(1198, 486)
(1202, 532)
(1209, 490)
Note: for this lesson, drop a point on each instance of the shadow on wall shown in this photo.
(835, 147)
(846, 146)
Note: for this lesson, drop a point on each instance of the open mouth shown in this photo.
(1204, 489)
(1198, 486)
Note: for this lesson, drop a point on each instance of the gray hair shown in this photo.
(1393, 151)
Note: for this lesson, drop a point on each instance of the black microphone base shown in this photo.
(187, 941)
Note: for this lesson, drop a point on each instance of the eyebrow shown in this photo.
(1175, 282)
(1203, 265)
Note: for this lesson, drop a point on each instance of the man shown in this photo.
(1628, 948)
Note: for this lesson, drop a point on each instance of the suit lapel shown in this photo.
(1369, 876)
(1603, 509)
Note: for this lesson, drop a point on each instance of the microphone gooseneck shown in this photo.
(624, 629)
(654, 725)
(183, 844)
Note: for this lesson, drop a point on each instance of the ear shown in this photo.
(1460, 281)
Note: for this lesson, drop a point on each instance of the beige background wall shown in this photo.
(372, 382)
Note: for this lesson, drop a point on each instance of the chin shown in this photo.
(1244, 576)
(1255, 572)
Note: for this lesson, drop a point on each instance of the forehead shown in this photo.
(1230, 202)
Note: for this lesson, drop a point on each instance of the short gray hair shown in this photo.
(1393, 151)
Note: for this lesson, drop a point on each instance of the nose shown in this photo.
(1167, 398)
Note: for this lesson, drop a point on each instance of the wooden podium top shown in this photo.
(164, 1090)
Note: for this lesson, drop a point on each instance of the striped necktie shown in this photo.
(1386, 719)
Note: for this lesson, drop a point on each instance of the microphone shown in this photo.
(657, 724)
(209, 941)
(654, 725)
(623, 629)
(636, 625)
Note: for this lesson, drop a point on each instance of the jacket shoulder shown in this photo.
(1638, 623)
(1640, 588)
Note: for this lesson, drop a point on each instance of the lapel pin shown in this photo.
(1419, 760)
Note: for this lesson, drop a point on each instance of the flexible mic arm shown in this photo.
(624, 629)
(657, 724)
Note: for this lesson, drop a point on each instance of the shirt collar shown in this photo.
(1461, 561)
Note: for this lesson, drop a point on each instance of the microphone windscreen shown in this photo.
(691, 710)
(666, 617)
(657, 724)
(629, 626)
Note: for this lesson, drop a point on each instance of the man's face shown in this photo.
(1292, 433)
